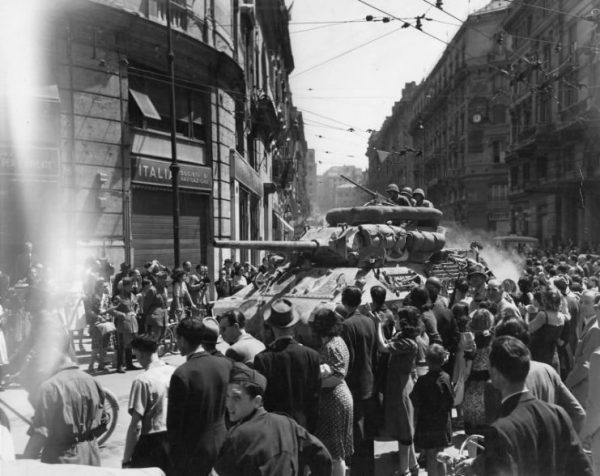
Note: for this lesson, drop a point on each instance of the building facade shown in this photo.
(393, 137)
(452, 130)
(554, 155)
(92, 177)
(334, 191)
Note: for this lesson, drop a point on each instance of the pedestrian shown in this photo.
(243, 347)
(101, 327)
(433, 398)
(542, 381)
(501, 307)
(261, 443)
(239, 281)
(334, 428)
(445, 322)
(196, 404)
(181, 296)
(590, 434)
(360, 335)
(146, 443)
(531, 437)
(124, 272)
(223, 285)
(292, 370)
(398, 410)
(124, 310)
(474, 398)
(578, 379)
(68, 416)
(154, 306)
(546, 329)
(464, 356)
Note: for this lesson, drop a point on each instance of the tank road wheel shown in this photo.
(111, 411)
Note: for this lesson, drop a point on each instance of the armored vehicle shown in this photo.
(392, 246)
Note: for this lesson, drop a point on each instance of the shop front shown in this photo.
(152, 212)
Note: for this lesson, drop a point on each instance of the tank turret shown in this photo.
(363, 237)
(373, 245)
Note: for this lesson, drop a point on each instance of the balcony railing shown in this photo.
(157, 10)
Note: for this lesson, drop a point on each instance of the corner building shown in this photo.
(96, 171)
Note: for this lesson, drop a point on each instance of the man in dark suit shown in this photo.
(531, 437)
(360, 335)
(195, 414)
(292, 370)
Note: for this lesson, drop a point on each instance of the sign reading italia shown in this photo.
(32, 162)
(157, 172)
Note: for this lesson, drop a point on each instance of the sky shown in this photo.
(357, 90)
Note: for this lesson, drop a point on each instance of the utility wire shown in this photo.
(344, 53)
(552, 10)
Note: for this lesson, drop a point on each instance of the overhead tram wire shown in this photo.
(344, 53)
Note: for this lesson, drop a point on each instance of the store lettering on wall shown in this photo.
(152, 171)
(33, 162)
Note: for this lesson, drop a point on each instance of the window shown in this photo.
(514, 177)
(541, 167)
(496, 152)
(526, 176)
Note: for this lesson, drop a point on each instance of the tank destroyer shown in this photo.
(376, 244)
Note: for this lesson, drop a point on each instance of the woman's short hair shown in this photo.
(552, 300)
(326, 323)
(409, 318)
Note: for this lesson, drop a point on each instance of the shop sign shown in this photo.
(245, 174)
(29, 162)
(157, 172)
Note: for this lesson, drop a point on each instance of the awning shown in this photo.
(283, 222)
(145, 104)
(47, 92)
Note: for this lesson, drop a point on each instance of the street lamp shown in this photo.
(174, 167)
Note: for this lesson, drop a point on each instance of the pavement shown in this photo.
(112, 451)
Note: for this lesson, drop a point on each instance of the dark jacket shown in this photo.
(293, 380)
(360, 334)
(268, 444)
(195, 415)
(532, 438)
(446, 326)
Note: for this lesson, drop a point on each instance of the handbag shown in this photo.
(106, 327)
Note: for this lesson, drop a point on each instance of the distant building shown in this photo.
(331, 180)
(391, 153)
(554, 154)
(348, 195)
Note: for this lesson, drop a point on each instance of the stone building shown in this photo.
(91, 176)
(393, 137)
(331, 188)
(554, 154)
(452, 130)
(460, 122)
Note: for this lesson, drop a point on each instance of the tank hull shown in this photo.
(316, 287)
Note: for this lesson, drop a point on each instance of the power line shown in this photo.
(351, 50)
(552, 10)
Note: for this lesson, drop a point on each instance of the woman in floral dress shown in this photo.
(473, 400)
(334, 428)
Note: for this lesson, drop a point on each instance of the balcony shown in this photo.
(157, 10)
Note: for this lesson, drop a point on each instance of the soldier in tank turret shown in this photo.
(419, 198)
(408, 193)
(394, 194)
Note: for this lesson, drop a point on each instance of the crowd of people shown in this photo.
(516, 362)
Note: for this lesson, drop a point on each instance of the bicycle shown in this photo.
(167, 343)
(452, 462)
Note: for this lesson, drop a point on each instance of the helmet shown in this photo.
(392, 188)
(419, 191)
(407, 191)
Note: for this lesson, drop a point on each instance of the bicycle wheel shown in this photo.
(111, 407)
(172, 339)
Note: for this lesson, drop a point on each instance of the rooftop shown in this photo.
(493, 6)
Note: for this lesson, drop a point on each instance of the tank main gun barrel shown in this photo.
(374, 194)
(267, 245)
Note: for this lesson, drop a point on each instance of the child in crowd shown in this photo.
(433, 399)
